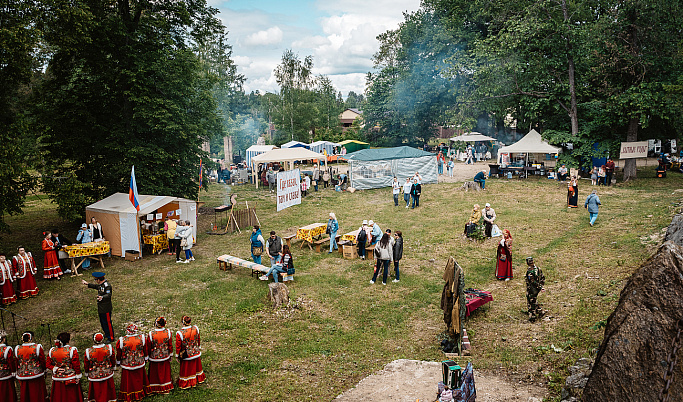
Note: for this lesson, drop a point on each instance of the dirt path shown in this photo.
(413, 380)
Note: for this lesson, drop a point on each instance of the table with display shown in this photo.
(158, 242)
(93, 250)
(351, 236)
(310, 232)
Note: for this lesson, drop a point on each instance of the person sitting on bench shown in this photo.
(278, 268)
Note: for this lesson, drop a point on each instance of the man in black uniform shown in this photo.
(103, 303)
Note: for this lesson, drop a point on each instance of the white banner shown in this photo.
(630, 150)
(288, 189)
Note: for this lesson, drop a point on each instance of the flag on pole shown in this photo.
(200, 173)
(133, 190)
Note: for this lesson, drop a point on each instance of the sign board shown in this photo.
(288, 189)
(630, 150)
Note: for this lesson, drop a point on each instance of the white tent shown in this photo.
(120, 221)
(285, 155)
(473, 137)
(532, 143)
(295, 144)
(319, 146)
(257, 150)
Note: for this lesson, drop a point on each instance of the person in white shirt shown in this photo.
(407, 186)
(396, 190)
(489, 216)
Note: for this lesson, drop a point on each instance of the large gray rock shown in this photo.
(631, 361)
(674, 232)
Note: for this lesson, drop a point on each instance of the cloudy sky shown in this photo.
(340, 35)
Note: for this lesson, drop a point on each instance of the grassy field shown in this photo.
(341, 329)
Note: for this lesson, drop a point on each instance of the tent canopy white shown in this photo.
(257, 150)
(120, 220)
(285, 155)
(532, 143)
(472, 137)
(319, 146)
(294, 144)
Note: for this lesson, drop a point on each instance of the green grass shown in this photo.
(341, 328)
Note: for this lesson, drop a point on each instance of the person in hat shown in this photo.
(489, 216)
(160, 351)
(63, 360)
(6, 282)
(8, 366)
(85, 236)
(104, 307)
(131, 355)
(362, 237)
(375, 231)
(534, 285)
(99, 363)
(24, 267)
(189, 352)
(30, 369)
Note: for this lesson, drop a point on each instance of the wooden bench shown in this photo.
(288, 239)
(226, 262)
(318, 243)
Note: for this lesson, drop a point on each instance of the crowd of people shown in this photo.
(28, 364)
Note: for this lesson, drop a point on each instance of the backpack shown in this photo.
(362, 236)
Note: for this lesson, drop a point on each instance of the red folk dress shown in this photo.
(131, 354)
(99, 363)
(8, 366)
(51, 267)
(66, 385)
(24, 272)
(187, 342)
(7, 284)
(160, 351)
(31, 372)
(503, 261)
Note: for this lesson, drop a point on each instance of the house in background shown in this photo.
(348, 116)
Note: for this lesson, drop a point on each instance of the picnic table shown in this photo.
(476, 298)
(159, 242)
(351, 236)
(94, 250)
(308, 232)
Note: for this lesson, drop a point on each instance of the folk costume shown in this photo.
(131, 355)
(534, 284)
(6, 283)
(8, 368)
(66, 373)
(51, 267)
(24, 270)
(573, 194)
(504, 257)
(160, 343)
(30, 369)
(99, 364)
(188, 351)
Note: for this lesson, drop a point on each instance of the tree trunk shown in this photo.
(631, 135)
(573, 109)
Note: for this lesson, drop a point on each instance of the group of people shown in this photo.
(478, 217)
(411, 189)
(592, 203)
(17, 278)
(28, 363)
(180, 237)
(281, 259)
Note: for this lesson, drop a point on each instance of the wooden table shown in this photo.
(351, 236)
(309, 232)
(94, 250)
(159, 242)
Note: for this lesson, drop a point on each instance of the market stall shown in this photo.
(125, 228)
(476, 139)
(321, 146)
(354, 145)
(257, 150)
(94, 250)
(296, 144)
(532, 151)
(285, 155)
(375, 168)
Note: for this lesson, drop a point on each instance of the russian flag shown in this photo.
(133, 190)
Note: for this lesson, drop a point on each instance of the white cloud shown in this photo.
(271, 36)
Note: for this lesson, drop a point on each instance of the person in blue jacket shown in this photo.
(592, 205)
(332, 228)
(84, 236)
(481, 179)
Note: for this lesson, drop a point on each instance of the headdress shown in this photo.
(132, 329)
(160, 322)
(187, 320)
(98, 337)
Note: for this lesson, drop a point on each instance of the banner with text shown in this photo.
(288, 189)
(630, 150)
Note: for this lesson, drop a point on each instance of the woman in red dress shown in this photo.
(63, 360)
(31, 369)
(99, 363)
(160, 352)
(8, 366)
(24, 270)
(189, 352)
(504, 257)
(6, 282)
(131, 354)
(51, 267)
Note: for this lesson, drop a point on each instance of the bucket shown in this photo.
(509, 175)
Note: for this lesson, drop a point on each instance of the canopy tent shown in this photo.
(320, 146)
(284, 155)
(120, 221)
(296, 144)
(375, 168)
(353, 145)
(257, 150)
(472, 137)
(532, 143)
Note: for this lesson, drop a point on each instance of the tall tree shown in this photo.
(295, 78)
(125, 86)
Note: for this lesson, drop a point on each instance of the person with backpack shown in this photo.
(383, 253)
(362, 239)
